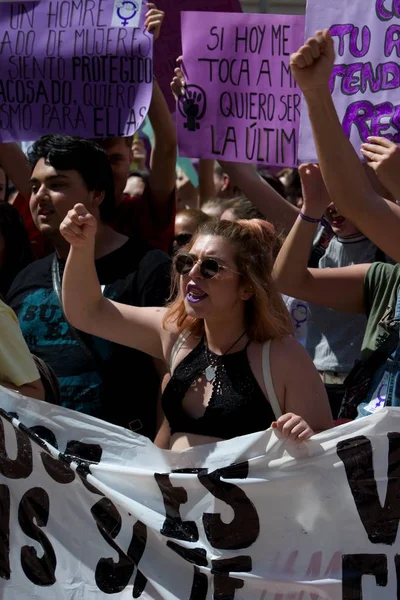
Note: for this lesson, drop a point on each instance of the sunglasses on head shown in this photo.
(209, 267)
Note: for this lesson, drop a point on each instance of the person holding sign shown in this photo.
(150, 215)
(235, 369)
(345, 178)
(372, 289)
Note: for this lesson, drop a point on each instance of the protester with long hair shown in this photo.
(235, 369)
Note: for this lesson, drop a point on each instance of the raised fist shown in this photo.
(312, 64)
(79, 226)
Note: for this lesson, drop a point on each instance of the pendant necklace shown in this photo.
(211, 370)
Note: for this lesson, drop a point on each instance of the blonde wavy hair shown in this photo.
(265, 312)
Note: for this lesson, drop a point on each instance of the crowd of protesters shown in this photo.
(192, 314)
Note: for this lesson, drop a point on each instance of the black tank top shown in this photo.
(237, 405)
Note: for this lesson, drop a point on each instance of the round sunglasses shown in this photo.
(209, 267)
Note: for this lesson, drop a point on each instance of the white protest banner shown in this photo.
(253, 518)
(366, 76)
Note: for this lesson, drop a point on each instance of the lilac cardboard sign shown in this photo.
(366, 76)
(241, 102)
(169, 45)
(76, 68)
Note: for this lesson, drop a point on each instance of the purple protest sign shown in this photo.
(366, 76)
(169, 45)
(241, 103)
(76, 68)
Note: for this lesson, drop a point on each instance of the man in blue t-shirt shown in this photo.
(97, 377)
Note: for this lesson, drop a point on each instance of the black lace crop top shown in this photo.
(237, 405)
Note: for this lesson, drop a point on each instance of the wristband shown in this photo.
(309, 219)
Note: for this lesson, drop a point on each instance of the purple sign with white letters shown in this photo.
(366, 76)
(77, 68)
(241, 102)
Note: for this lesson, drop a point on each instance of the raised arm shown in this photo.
(164, 148)
(163, 154)
(346, 181)
(206, 180)
(275, 209)
(341, 289)
(87, 309)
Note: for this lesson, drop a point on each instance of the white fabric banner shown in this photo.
(99, 511)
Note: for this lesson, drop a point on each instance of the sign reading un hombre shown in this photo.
(73, 67)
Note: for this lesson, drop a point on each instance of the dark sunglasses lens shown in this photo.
(183, 264)
(183, 239)
(209, 268)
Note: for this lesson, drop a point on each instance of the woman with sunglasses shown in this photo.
(235, 369)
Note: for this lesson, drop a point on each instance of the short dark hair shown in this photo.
(109, 141)
(72, 153)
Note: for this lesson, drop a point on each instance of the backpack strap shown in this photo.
(49, 380)
(269, 386)
(359, 379)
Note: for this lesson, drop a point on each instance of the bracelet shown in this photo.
(309, 219)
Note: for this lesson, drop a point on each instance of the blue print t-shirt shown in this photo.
(126, 391)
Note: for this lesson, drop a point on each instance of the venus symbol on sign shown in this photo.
(381, 400)
(126, 11)
(299, 314)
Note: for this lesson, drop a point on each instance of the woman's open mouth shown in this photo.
(194, 294)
